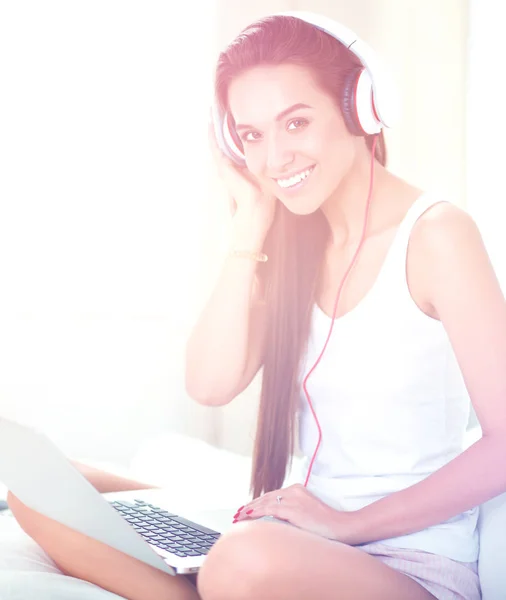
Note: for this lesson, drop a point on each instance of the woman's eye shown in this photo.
(245, 138)
(300, 123)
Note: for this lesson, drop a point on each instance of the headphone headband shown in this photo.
(385, 98)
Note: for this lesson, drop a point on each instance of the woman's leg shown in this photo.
(271, 561)
(80, 556)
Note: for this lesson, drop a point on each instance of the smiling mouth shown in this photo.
(295, 179)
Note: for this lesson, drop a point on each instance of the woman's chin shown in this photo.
(304, 206)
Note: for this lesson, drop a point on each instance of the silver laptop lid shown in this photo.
(40, 475)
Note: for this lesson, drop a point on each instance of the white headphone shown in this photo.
(369, 98)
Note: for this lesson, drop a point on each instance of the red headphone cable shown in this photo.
(371, 182)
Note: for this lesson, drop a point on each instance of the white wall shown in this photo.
(486, 130)
(104, 111)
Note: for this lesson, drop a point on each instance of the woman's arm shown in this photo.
(468, 480)
(225, 349)
(468, 300)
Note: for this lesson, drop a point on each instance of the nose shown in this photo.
(279, 155)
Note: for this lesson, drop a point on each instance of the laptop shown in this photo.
(140, 523)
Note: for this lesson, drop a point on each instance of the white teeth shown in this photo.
(286, 183)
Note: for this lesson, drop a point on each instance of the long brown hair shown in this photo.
(295, 244)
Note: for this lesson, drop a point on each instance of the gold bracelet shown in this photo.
(258, 256)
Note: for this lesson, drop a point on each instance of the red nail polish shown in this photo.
(236, 515)
(248, 512)
(234, 521)
(239, 509)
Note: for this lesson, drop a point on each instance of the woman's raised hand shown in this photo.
(250, 205)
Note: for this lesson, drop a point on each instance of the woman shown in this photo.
(388, 507)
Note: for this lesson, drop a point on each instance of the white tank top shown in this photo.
(391, 402)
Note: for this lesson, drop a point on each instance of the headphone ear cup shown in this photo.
(349, 102)
(227, 142)
(358, 103)
(235, 141)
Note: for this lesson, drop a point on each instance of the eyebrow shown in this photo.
(281, 115)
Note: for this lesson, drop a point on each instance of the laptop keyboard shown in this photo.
(166, 530)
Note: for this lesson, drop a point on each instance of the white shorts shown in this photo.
(444, 578)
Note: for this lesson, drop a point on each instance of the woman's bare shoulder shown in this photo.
(443, 223)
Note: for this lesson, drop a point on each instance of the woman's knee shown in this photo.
(239, 564)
